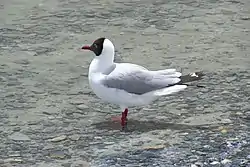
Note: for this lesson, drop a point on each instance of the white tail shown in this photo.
(170, 90)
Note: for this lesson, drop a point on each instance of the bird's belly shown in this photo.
(119, 97)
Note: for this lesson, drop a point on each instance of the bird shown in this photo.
(127, 84)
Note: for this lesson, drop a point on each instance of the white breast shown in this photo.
(116, 96)
(112, 95)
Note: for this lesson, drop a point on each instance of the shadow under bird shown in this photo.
(127, 84)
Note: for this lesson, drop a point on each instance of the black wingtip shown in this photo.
(195, 76)
(199, 74)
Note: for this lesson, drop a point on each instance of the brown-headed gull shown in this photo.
(127, 84)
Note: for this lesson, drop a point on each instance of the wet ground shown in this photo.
(50, 117)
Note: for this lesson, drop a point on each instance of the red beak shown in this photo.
(86, 47)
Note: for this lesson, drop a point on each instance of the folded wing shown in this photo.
(140, 81)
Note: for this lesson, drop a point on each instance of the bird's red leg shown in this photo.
(124, 118)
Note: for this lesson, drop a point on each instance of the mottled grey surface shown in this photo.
(50, 117)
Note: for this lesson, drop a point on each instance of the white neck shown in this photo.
(100, 64)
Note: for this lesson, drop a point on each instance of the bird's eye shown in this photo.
(95, 45)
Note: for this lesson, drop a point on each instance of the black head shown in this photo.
(96, 47)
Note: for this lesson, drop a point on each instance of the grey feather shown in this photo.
(139, 82)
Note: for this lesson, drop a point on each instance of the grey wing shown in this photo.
(139, 82)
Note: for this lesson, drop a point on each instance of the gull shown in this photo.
(130, 85)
